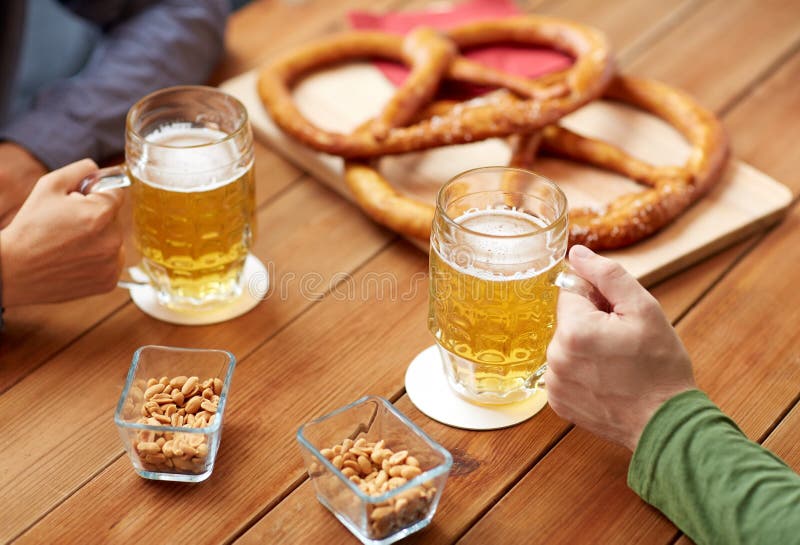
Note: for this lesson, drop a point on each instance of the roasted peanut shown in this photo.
(398, 457)
(189, 386)
(156, 388)
(165, 402)
(327, 453)
(177, 397)
(376, 469)
(148, 447)
(179, 381)
(193, 405)
(161, 398)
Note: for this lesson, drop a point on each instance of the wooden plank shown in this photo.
(35, 333)
(76, 391)
(347, 347)
(752, 124)
(736, 41)
(751, 130)
(109, 481)
(734, 356)
(624, 20)
(258, 30)
(283, 525)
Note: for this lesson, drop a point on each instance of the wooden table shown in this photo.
(64, 477)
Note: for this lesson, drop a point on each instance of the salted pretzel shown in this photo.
(629, 218)
(433, 56)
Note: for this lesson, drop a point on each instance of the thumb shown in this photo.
(609, 277)
(67, 179)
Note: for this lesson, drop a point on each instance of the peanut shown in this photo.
(189, 386)
(175, 402)
(162, 398)
(409, 472)
(177, 397)
(193, 405)
(376, 469)
(398, 457)
(162, 418)
(327, 453)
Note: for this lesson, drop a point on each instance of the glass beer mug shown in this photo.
(497, 261)
(189, 166)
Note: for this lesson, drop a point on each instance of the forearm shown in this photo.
(698, 468)
(162, 44)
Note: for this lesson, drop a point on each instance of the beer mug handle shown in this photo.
(106, 178)
(115, 177)
(569, 280)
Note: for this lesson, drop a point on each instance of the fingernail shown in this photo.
(580, 252)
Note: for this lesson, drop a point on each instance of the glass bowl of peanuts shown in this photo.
(171, 410)
(374, 469)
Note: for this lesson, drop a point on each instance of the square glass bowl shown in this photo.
(160, 445)
(391, 512)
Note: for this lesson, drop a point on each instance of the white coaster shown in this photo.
(428, 389)
(255, 284)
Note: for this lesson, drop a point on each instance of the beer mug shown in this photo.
(189, 167)
(497, 261)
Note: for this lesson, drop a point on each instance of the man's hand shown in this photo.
(19, 171)
(62, 244)
(609, 372)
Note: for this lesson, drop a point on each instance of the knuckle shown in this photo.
(612, 270)
(94, 219)
(570, 338)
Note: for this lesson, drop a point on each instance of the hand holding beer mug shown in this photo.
(189, 166)
(498, 243)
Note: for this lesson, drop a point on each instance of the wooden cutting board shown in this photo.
(743, 201)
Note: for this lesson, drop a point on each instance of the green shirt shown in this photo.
(697, 467)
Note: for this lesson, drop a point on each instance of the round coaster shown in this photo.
(255, 284)
(427, 387)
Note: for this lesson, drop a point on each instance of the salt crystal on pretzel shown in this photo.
(430, 55)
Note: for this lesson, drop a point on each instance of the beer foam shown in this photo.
(187, 162)
(505, 247)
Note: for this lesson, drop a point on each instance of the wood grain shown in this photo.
(36, 333)
(260, 29)
(753, 124)
(457, 514)
(71, 475)
(722, 354)
(721, 48)
(76, 391)
(734, 362)
(347, 347)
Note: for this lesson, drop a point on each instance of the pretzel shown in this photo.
(629, 218)
(432, 57)
(670, 190)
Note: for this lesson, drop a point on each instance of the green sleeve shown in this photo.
(696, 466)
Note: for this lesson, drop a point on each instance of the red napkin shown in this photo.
(522, 61)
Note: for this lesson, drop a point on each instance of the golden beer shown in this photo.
(498, 325)
(193, 216)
